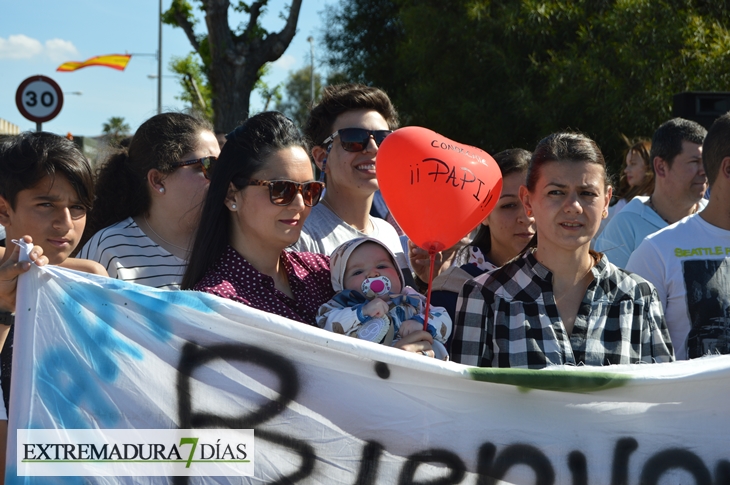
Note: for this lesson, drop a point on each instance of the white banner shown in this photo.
(96, 353)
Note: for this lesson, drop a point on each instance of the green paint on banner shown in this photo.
(551, 380)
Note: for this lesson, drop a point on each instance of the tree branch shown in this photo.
(274, 45)
(254, 12)
(220, 39)
(180, 14)
(184, 22)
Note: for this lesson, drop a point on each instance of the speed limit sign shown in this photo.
(39, 98)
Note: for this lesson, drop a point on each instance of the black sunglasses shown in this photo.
(282, 192)
(356, 139)
(206, 163)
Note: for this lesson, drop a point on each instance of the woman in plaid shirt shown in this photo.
(560, 302)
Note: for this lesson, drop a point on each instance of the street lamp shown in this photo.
(310, 39)
(159, 64)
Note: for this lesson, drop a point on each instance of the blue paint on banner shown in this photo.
(70, 392)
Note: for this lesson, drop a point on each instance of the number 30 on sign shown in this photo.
(39, 98)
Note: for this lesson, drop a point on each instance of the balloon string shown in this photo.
(432, 257)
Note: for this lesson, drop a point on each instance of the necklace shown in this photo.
(651, 205)
(327, 204)
(162, 238)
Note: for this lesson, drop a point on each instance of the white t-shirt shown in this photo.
(689, 264)
(128, 254)
(323, 231)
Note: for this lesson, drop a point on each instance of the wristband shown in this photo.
(7, 318)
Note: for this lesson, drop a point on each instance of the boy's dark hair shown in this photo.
(667, 140)
(29, 157)
(340, 98)
(716, 147)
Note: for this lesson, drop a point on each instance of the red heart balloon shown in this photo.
(437, 189)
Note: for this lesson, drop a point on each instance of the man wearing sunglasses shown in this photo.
(345, 129)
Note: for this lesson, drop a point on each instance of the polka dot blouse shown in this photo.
(234, 278)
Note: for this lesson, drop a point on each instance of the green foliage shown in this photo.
(230, 62)
(298, 99)
(194, 82)
(179, 7)
(257, 32)
(501, 74)
(115, 130)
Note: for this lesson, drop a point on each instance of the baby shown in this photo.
(371, 301)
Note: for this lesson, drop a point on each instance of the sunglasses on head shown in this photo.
(357, 139)
(282, 192)
(206, 164)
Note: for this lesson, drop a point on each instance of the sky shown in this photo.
(36, 36)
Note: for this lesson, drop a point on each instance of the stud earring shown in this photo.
(529, 213)
(162, 190)
(605, 214)
(234, 206)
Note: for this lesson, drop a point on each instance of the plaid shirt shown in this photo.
(508, 318)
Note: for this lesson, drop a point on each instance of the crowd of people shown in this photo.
(537, 285)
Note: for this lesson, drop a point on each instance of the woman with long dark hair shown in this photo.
(261, 192)
(501, 235)
(560, 302)
(148, 200)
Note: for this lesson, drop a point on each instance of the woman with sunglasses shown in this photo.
(261, 192)
(346, 129)
(260, 195)
(148, 200)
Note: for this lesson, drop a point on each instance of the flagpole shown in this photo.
(159, 64)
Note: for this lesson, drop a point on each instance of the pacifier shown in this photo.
(378, 286)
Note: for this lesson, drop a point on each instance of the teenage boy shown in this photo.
(46, 189)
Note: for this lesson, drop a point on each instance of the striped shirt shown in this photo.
(128, 254)
(509, 318)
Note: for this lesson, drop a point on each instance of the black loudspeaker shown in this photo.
(701, 106)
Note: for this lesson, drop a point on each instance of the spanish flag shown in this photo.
(115, 61)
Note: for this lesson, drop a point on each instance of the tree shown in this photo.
(298, 99)
(196, 89)
(232, 59)
(115, 130)
(499, 74)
